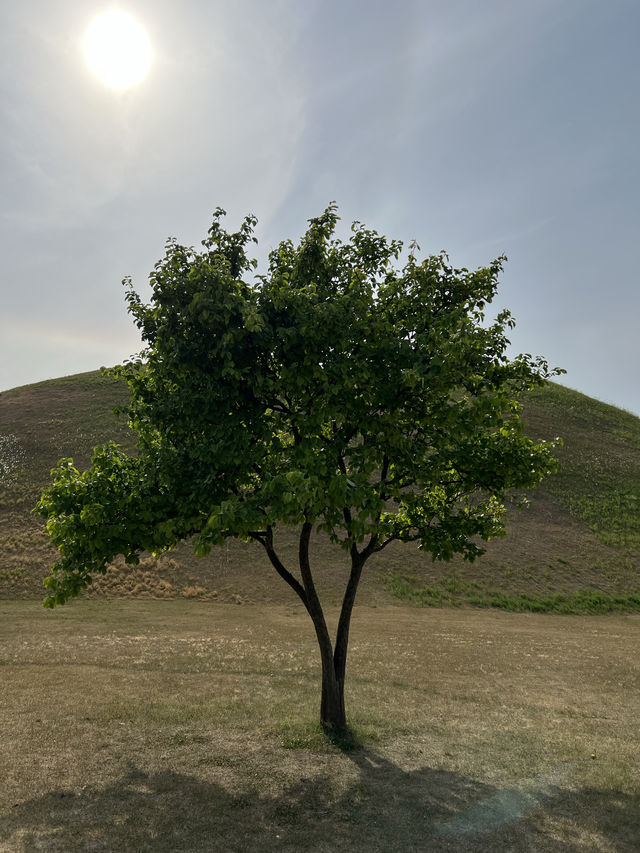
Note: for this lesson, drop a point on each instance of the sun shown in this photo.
(117, 49)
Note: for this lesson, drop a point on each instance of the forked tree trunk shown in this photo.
(332, 712)
(332, 709)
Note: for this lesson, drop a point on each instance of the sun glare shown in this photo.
(117, 49)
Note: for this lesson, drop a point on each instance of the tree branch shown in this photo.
(386, 542)
(385, 469)
(266, 540)
(313, 605)
(342, 635)
(370, 548)
(305, 570)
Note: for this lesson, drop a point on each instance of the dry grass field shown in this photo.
(190, 726)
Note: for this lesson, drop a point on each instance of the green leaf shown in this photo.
(337, 388)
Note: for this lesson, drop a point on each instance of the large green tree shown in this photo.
(344, 390)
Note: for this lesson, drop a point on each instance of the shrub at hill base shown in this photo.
(339, 390)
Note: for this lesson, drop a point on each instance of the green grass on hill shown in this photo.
(575, 548)
(454, 592)
(599, 481)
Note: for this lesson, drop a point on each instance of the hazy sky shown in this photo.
(481, 128)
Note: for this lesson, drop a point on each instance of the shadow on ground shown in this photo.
(386, 809)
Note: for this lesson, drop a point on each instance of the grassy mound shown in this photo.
(576, 548)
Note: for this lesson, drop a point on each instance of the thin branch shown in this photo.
(385, 469)
(386, 542)
(406, 484)
(346, 510)
(266, 541)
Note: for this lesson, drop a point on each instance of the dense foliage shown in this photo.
(336, 390)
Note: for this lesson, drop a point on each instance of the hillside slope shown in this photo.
(582, 529)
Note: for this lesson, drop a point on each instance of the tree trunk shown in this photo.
(332, 712)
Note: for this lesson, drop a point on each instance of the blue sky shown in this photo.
(507, 126)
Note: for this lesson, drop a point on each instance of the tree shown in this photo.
(336, 391)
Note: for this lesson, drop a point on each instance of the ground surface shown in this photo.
(189, 726)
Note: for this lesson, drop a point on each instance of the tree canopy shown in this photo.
(353, 387)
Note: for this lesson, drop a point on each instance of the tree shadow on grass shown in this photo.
(384, 809)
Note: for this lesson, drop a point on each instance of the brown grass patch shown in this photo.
(161, 726)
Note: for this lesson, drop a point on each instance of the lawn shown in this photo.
(190, 726)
